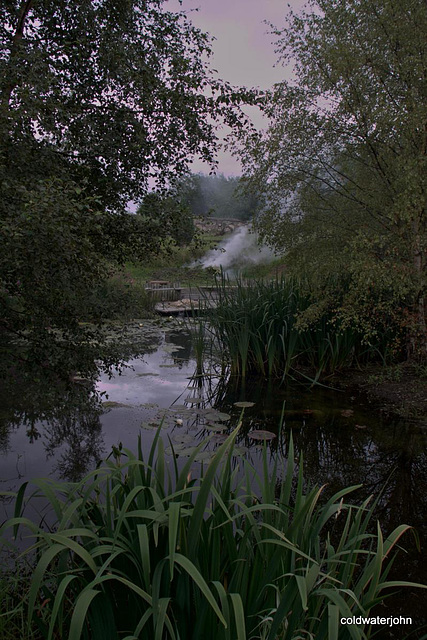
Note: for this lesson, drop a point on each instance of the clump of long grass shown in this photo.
(257, 326)
(143, 550)
(13, 618)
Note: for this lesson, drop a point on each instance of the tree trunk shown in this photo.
(418, 328)
(10, 83)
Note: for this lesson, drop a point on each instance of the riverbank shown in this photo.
(399, 390)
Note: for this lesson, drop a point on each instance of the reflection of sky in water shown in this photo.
(157, 378)
(153, 378)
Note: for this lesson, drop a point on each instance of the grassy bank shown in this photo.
(142, 549)
(173, 262)
(123, 295)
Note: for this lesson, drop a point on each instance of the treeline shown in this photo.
(196, 196)
(78, 141)
(216, 196)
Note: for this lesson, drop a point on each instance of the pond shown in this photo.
(344, 440)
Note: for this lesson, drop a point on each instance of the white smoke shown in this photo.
(240, 249)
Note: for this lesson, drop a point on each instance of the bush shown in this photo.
(120, 296)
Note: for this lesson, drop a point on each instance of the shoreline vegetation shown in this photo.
(145, 548)
(394, 385)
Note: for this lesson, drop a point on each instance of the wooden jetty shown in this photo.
(172, 299)
(185, 306)
(161, 290)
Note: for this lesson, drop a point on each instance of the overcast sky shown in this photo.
(243, 50)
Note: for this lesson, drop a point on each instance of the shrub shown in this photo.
(120, 296)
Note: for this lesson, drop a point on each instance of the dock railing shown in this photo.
(163, 290)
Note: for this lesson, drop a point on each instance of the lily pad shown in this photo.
(152, 425)
(186, 450)
(215, 427)
(142, 375)
(217, 415)
(261, 434)
(219, 437)
(194, 400)
(204, 456)
(177, 449)
(197, 411)
(244, 404)
(240, 451)
(109, 404)
(184, 438)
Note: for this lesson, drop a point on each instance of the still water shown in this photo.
(343, 439)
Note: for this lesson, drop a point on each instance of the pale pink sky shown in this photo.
(243, 50)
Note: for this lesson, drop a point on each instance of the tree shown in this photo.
(98, 100)
(342, 166)
(168, 215)
(216, 195)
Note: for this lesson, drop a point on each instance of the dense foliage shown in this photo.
(97, 99)
(169, 214)
(142, 550)
(342, 166)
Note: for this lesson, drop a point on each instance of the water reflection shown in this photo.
(182, 348)
(65, 424)
(51, 419)
(343, 442)
(75, 442)
(62, 428)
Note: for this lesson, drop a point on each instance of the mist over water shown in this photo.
(240, 249)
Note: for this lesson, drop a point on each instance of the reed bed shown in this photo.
(256, 326)
(141, 549)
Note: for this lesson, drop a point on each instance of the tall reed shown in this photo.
(143, 550)
(256, 325)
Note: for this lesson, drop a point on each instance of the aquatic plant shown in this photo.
(258, 326)
(141, 549)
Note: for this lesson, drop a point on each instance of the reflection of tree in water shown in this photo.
(387, 458)
(4, 435)
(391, 465)
(65, 411)
(401, 467)
(51, 399)
(80, 432)
(183, 340)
